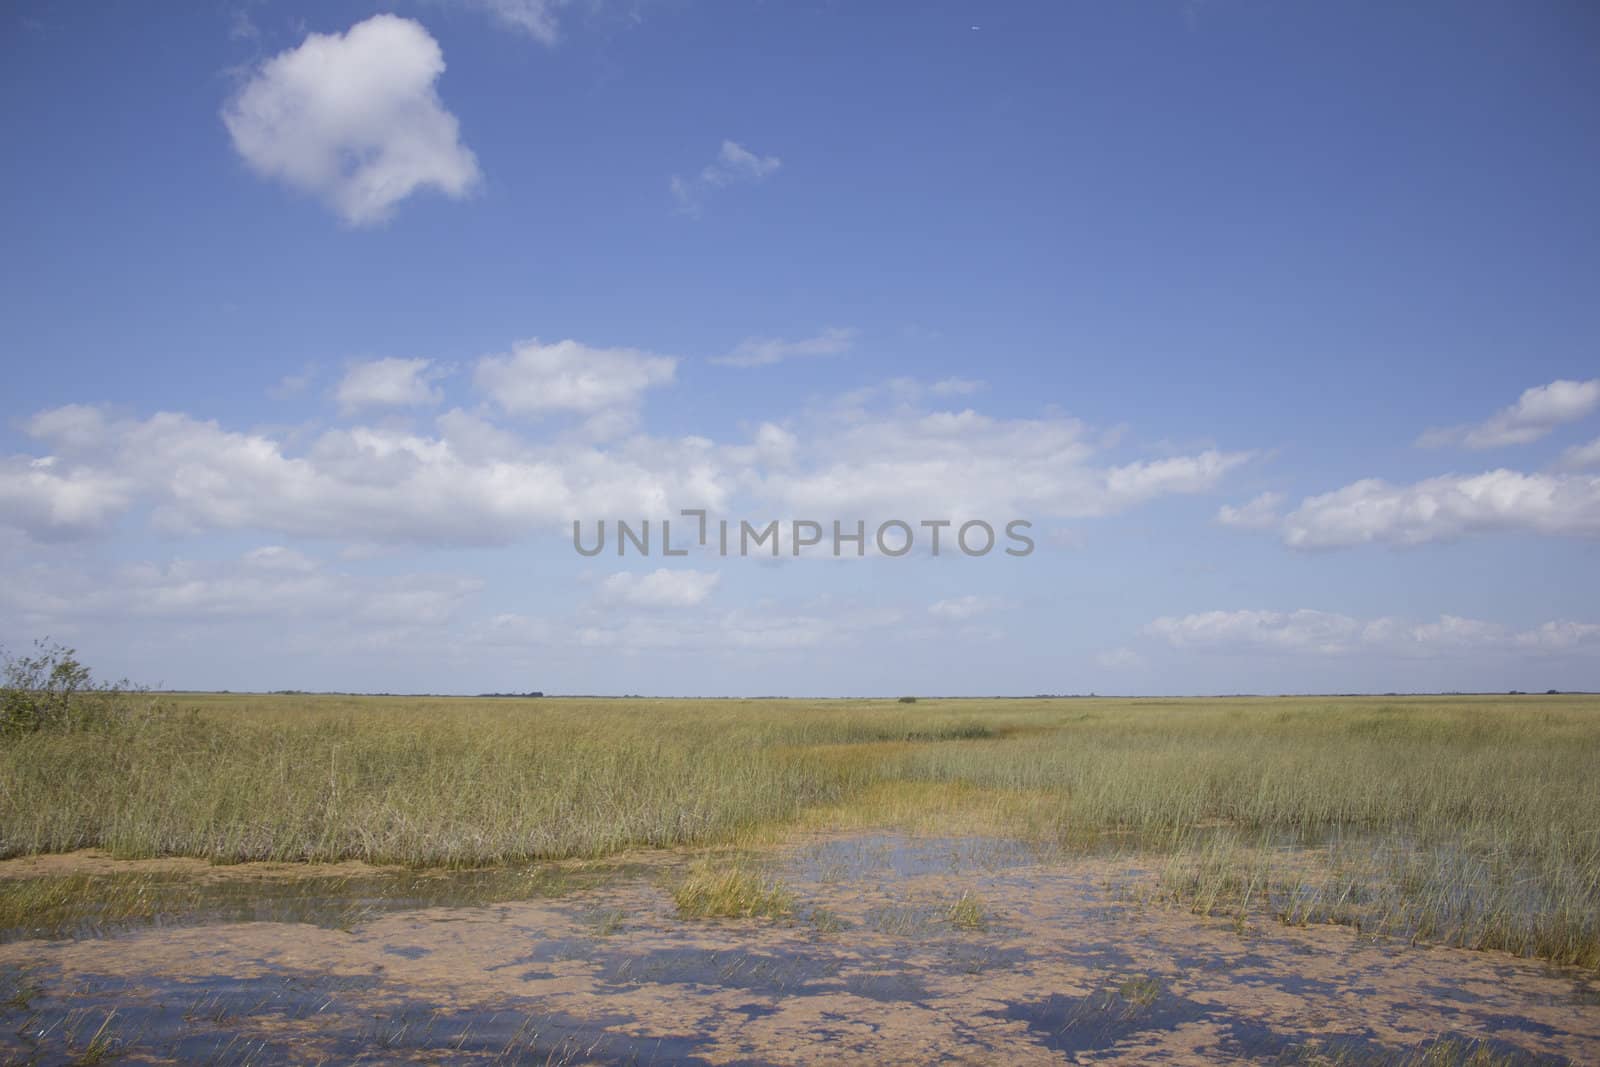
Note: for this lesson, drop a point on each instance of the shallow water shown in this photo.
(1065, 968)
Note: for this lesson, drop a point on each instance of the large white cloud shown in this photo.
(468, 484)
(354, 119)
(1445, 508)
(1538, 411)
(470, 479)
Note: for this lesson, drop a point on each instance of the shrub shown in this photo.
(52, 691)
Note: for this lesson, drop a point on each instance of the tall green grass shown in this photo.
(1473, 820)
(429, 782)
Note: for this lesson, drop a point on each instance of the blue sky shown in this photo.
(322, 323)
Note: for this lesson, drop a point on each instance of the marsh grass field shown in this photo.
(1471, 821)
(1463, 821)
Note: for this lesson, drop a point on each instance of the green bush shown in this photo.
(52, 691)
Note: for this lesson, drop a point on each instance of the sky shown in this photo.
(1275, 324)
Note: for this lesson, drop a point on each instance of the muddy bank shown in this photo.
(1056, 963)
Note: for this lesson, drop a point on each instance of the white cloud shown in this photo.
(765, 351)
(536, 18)
(1560, 636)
(955, 387)
(468, 485)
(1324, 633)
(856, 460)
(1303, 630)
(55, 501)
(267, 583)
(72, 427)
(737, 632)
(388, 383)
(1445, 508)
(1582, 457)
(279, 558)
(241, 27)
(734, 164)
(470, 480)
(659, 589)
(354, 119)
(1176, 474)
(1261, 513)
(1117, 659)
(771, 447)
(293, 384)
(1538, 411)
(606, 384)
(963, 608)
(511, 630)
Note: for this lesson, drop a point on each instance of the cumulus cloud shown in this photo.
(859, 459)
(1261, 513)
(468, 484)
(1537, 412)
(1325, 633)
(55, 501)
(659, 589)
(606, 384)
(735, 164)
(765, 351)
(388, 383)
(1446, 508)
(354, 119)
(472, 480)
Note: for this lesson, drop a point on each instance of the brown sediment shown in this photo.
(1066, 965)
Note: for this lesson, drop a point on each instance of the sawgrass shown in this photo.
(1469, 820)
(731, 891)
